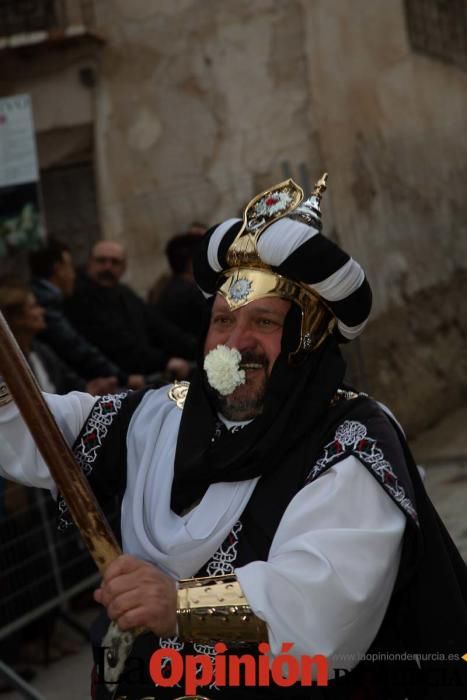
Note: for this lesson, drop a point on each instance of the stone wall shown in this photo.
(416, 359)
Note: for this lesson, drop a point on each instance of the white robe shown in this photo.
(333, 560)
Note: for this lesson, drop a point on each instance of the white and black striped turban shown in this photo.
(299, 252)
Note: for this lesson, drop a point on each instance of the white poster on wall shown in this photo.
(18, 156)
(21, 219)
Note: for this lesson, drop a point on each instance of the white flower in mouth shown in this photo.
(222, 367)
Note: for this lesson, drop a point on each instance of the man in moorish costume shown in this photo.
(299, 495)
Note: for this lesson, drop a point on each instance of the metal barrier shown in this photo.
(40, 569)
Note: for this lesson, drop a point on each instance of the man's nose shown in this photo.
(241, 337)
(107, 266)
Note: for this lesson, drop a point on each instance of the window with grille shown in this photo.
(24, 16)
(27, 16)
(70, 203)
(439, 28)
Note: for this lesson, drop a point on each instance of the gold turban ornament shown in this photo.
(248, 278)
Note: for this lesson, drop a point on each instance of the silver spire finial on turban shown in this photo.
(309, 210)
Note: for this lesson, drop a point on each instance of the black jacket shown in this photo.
(66, 341)
(134, 335)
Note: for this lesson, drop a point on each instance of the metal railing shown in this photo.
(49, 16)
(40, 571)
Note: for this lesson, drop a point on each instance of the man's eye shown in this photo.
(266, 324)
(221, 320)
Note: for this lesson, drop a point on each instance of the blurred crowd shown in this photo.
(86, 330)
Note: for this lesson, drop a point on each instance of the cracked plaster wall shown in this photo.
(200, 103)
(197, 105)
(391, 127)
(390, 124)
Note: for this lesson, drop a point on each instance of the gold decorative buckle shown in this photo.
(216, 608)
(178, 393)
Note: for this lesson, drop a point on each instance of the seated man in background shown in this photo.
(180, 300)
(120, 323)
(53, 279)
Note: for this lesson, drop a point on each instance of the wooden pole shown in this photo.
(70, 481)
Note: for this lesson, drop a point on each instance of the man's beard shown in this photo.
(246, 401)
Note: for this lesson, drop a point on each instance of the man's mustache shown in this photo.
(253, 358)
(106, 275)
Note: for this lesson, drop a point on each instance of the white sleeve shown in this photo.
(19, 458)
(331, 567)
